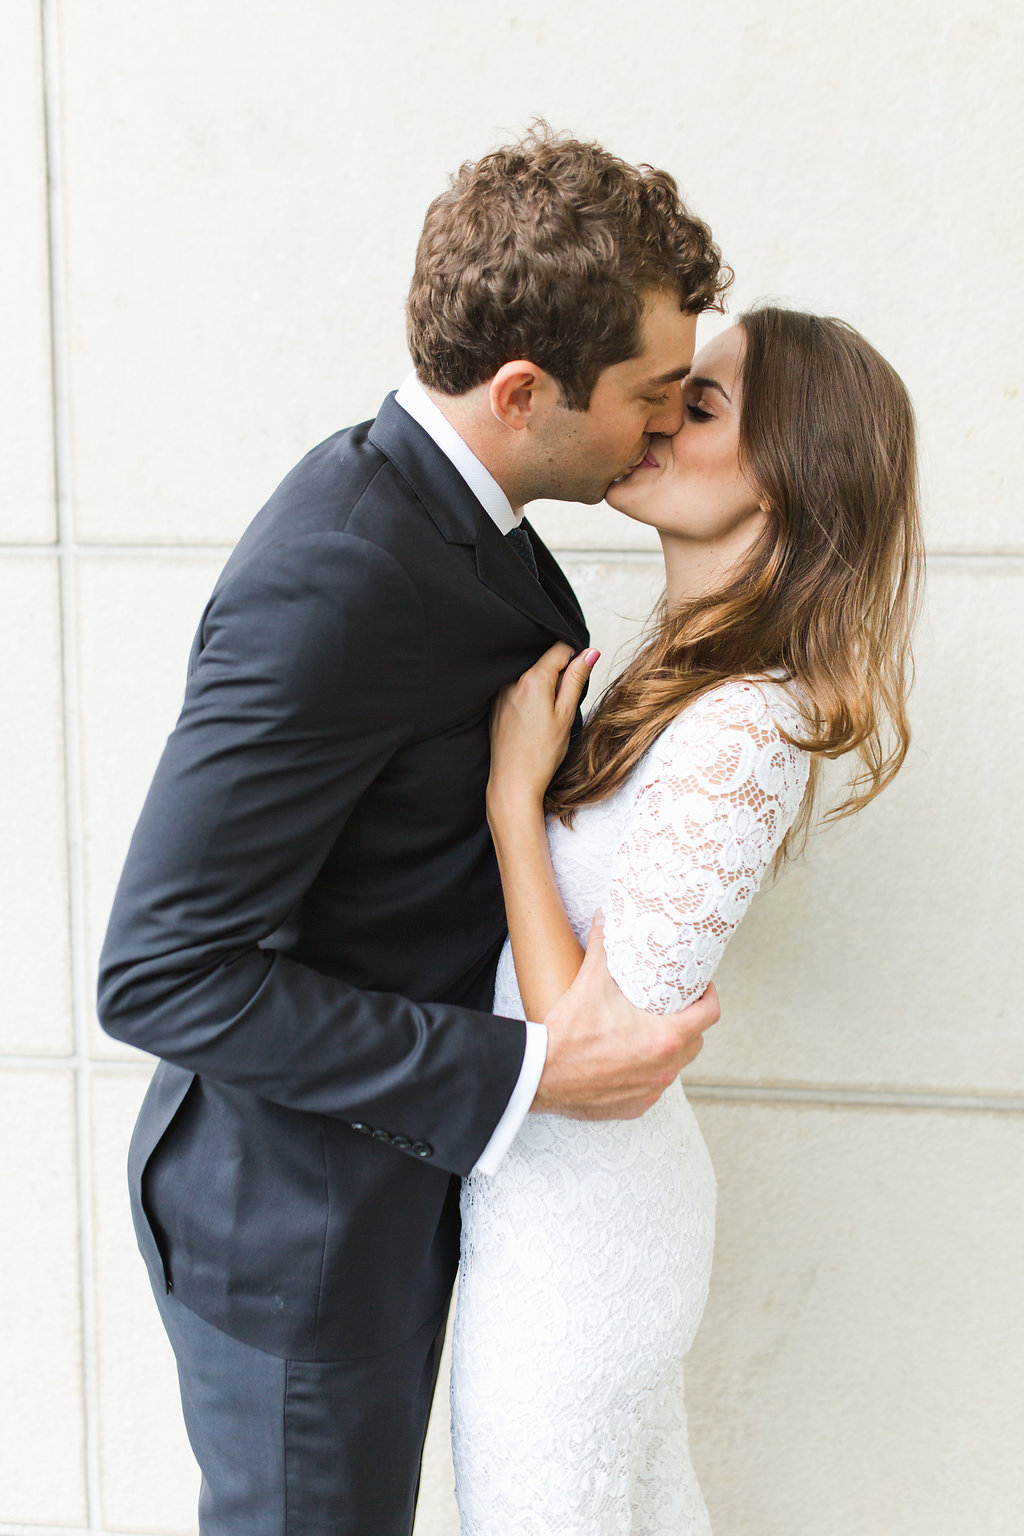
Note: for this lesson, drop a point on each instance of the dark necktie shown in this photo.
(520, 541)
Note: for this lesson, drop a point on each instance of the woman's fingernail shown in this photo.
(591, 658)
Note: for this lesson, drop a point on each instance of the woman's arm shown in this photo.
(530, 728)
(546, 952)
(719, 790)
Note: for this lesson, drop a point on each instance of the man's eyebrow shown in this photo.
(703, 383)
(672, 377)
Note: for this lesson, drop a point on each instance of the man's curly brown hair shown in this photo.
(546, 250)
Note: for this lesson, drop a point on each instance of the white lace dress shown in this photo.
(586, 1257)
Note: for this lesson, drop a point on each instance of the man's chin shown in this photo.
(620, 482)
(588, 495)
(585, 495)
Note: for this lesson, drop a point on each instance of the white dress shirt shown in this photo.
(413, 398)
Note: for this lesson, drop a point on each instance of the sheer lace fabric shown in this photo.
(586, 1258)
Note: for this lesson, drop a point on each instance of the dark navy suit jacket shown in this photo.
(309, 917)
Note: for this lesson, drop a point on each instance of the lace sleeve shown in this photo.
(713, 800)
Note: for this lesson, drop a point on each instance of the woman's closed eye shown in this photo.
(698, 413)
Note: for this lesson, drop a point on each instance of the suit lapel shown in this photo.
(461, 519)
(549, 601)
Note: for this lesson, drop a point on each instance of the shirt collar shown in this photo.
(413, 399)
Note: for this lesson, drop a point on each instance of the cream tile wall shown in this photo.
(857, 1369)
(210, 214)
(26, 468)
(35, 1019)
(148, 1477)
(888, 958)
(42, 1448)
(136, 614)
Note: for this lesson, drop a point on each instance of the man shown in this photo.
(310, 915)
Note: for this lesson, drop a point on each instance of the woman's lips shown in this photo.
(647, 462)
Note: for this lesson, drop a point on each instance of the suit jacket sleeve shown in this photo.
(306, 679)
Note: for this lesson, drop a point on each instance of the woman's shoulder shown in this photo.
(739, 730)
(763, 706)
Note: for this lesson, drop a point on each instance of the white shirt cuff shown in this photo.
(518, 1107)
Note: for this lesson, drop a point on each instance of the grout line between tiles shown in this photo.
(943, 559)
(866, 1098)
(76, 1062)
(55, 1530)
(752, 1093)
(72, 764)
(974, 557)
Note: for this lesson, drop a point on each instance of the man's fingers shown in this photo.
(594, 949)
(707, 1010)
(699, 1016)
(683, 1036)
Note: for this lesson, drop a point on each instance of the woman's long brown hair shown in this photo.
(830, 591)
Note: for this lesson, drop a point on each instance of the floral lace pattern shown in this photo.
(586, 1258)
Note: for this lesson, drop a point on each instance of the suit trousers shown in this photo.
(303, 1448)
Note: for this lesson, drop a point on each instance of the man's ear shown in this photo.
(518, 390)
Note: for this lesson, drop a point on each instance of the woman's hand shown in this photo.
(530, 724)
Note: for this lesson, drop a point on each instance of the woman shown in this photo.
(787, 511)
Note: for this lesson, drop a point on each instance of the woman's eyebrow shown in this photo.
(703, 383)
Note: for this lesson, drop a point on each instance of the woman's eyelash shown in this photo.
(698, 414)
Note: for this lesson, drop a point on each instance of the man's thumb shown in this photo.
(594, 954)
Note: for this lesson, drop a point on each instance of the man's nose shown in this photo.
(668, 418)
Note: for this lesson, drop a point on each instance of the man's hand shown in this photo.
(606, 1059)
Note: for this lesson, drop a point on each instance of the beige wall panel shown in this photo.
(149, 1479)
(882, 214)
(136, 620)
(245, 185)
(35, 1012)
(858, 1369)
(890, 957)
(26, 467)
(42, 1432)
(617, 598)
